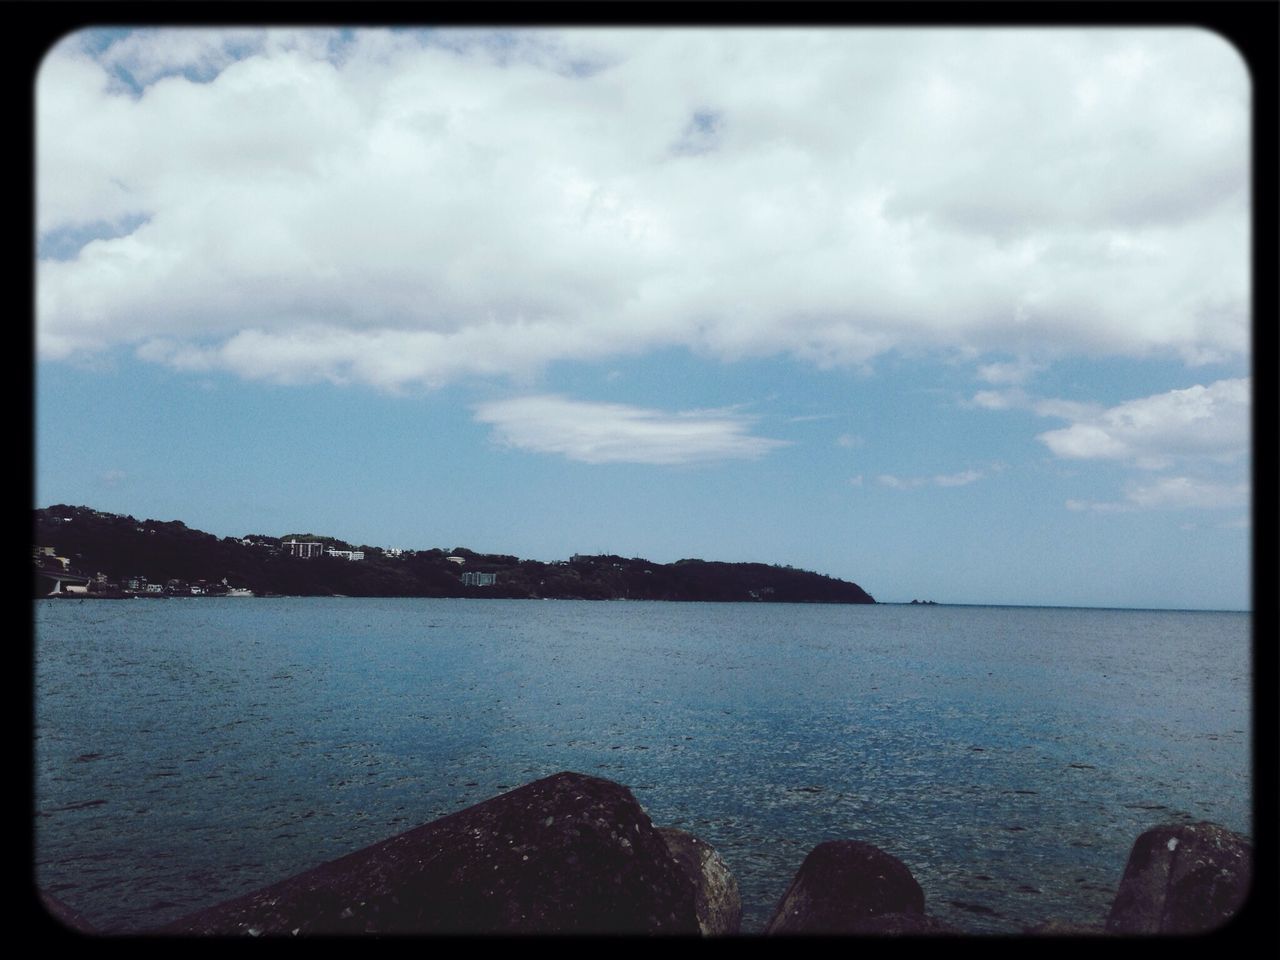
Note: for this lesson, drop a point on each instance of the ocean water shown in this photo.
(190, 750)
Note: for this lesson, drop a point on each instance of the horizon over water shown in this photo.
(1057, 606)
(193, 750)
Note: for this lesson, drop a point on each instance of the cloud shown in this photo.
(898, 483)
(1065, 409)
(1015, 398)
(141, 58)
(1153, 432)
(849, 440)
(400, 208)
(616, 433)
(960, 479)
(1179, 493)
(1172, 493)
(113, 477)
(999, 399)
(1018, 371)
(1098, 506)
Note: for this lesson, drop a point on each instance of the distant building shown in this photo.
(456, 559)
(473, 579)
(348, 554)
(304, 548)
(394, 552)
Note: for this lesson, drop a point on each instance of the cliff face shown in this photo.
(123, 547)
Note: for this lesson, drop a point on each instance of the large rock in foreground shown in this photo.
(842, 887)
(717, 902)
(1182, 878)
(567, 854)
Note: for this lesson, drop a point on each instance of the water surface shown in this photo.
(189, 750)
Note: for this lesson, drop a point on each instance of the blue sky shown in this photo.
(960, 315)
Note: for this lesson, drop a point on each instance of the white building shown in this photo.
(304, 548)
(348, 554)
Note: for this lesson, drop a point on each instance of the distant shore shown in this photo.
(82, 551)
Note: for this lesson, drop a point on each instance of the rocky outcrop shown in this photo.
(1182, 878)
(567, 854)
(717, 901)
(843, 887)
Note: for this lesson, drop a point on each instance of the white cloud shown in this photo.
(849, 440)
(961, 479)
(1065, 409)
(899, 483)
(1178, 493)
(1172, 493)
(999, 399)
(616, 433)
(1153, 432)
(1098, 506)
(1019, 371)
(964, 478)
(1015, 398)
(148, 55)
(403, 208)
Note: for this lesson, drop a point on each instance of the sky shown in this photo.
(960, 315)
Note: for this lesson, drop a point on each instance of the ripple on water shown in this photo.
(1002, 793)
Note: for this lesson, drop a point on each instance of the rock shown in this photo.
(566, 854)
(1182, 878)
(841, 885)
(716, 899)
(64, 915)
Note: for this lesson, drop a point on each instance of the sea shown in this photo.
(188, 750)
